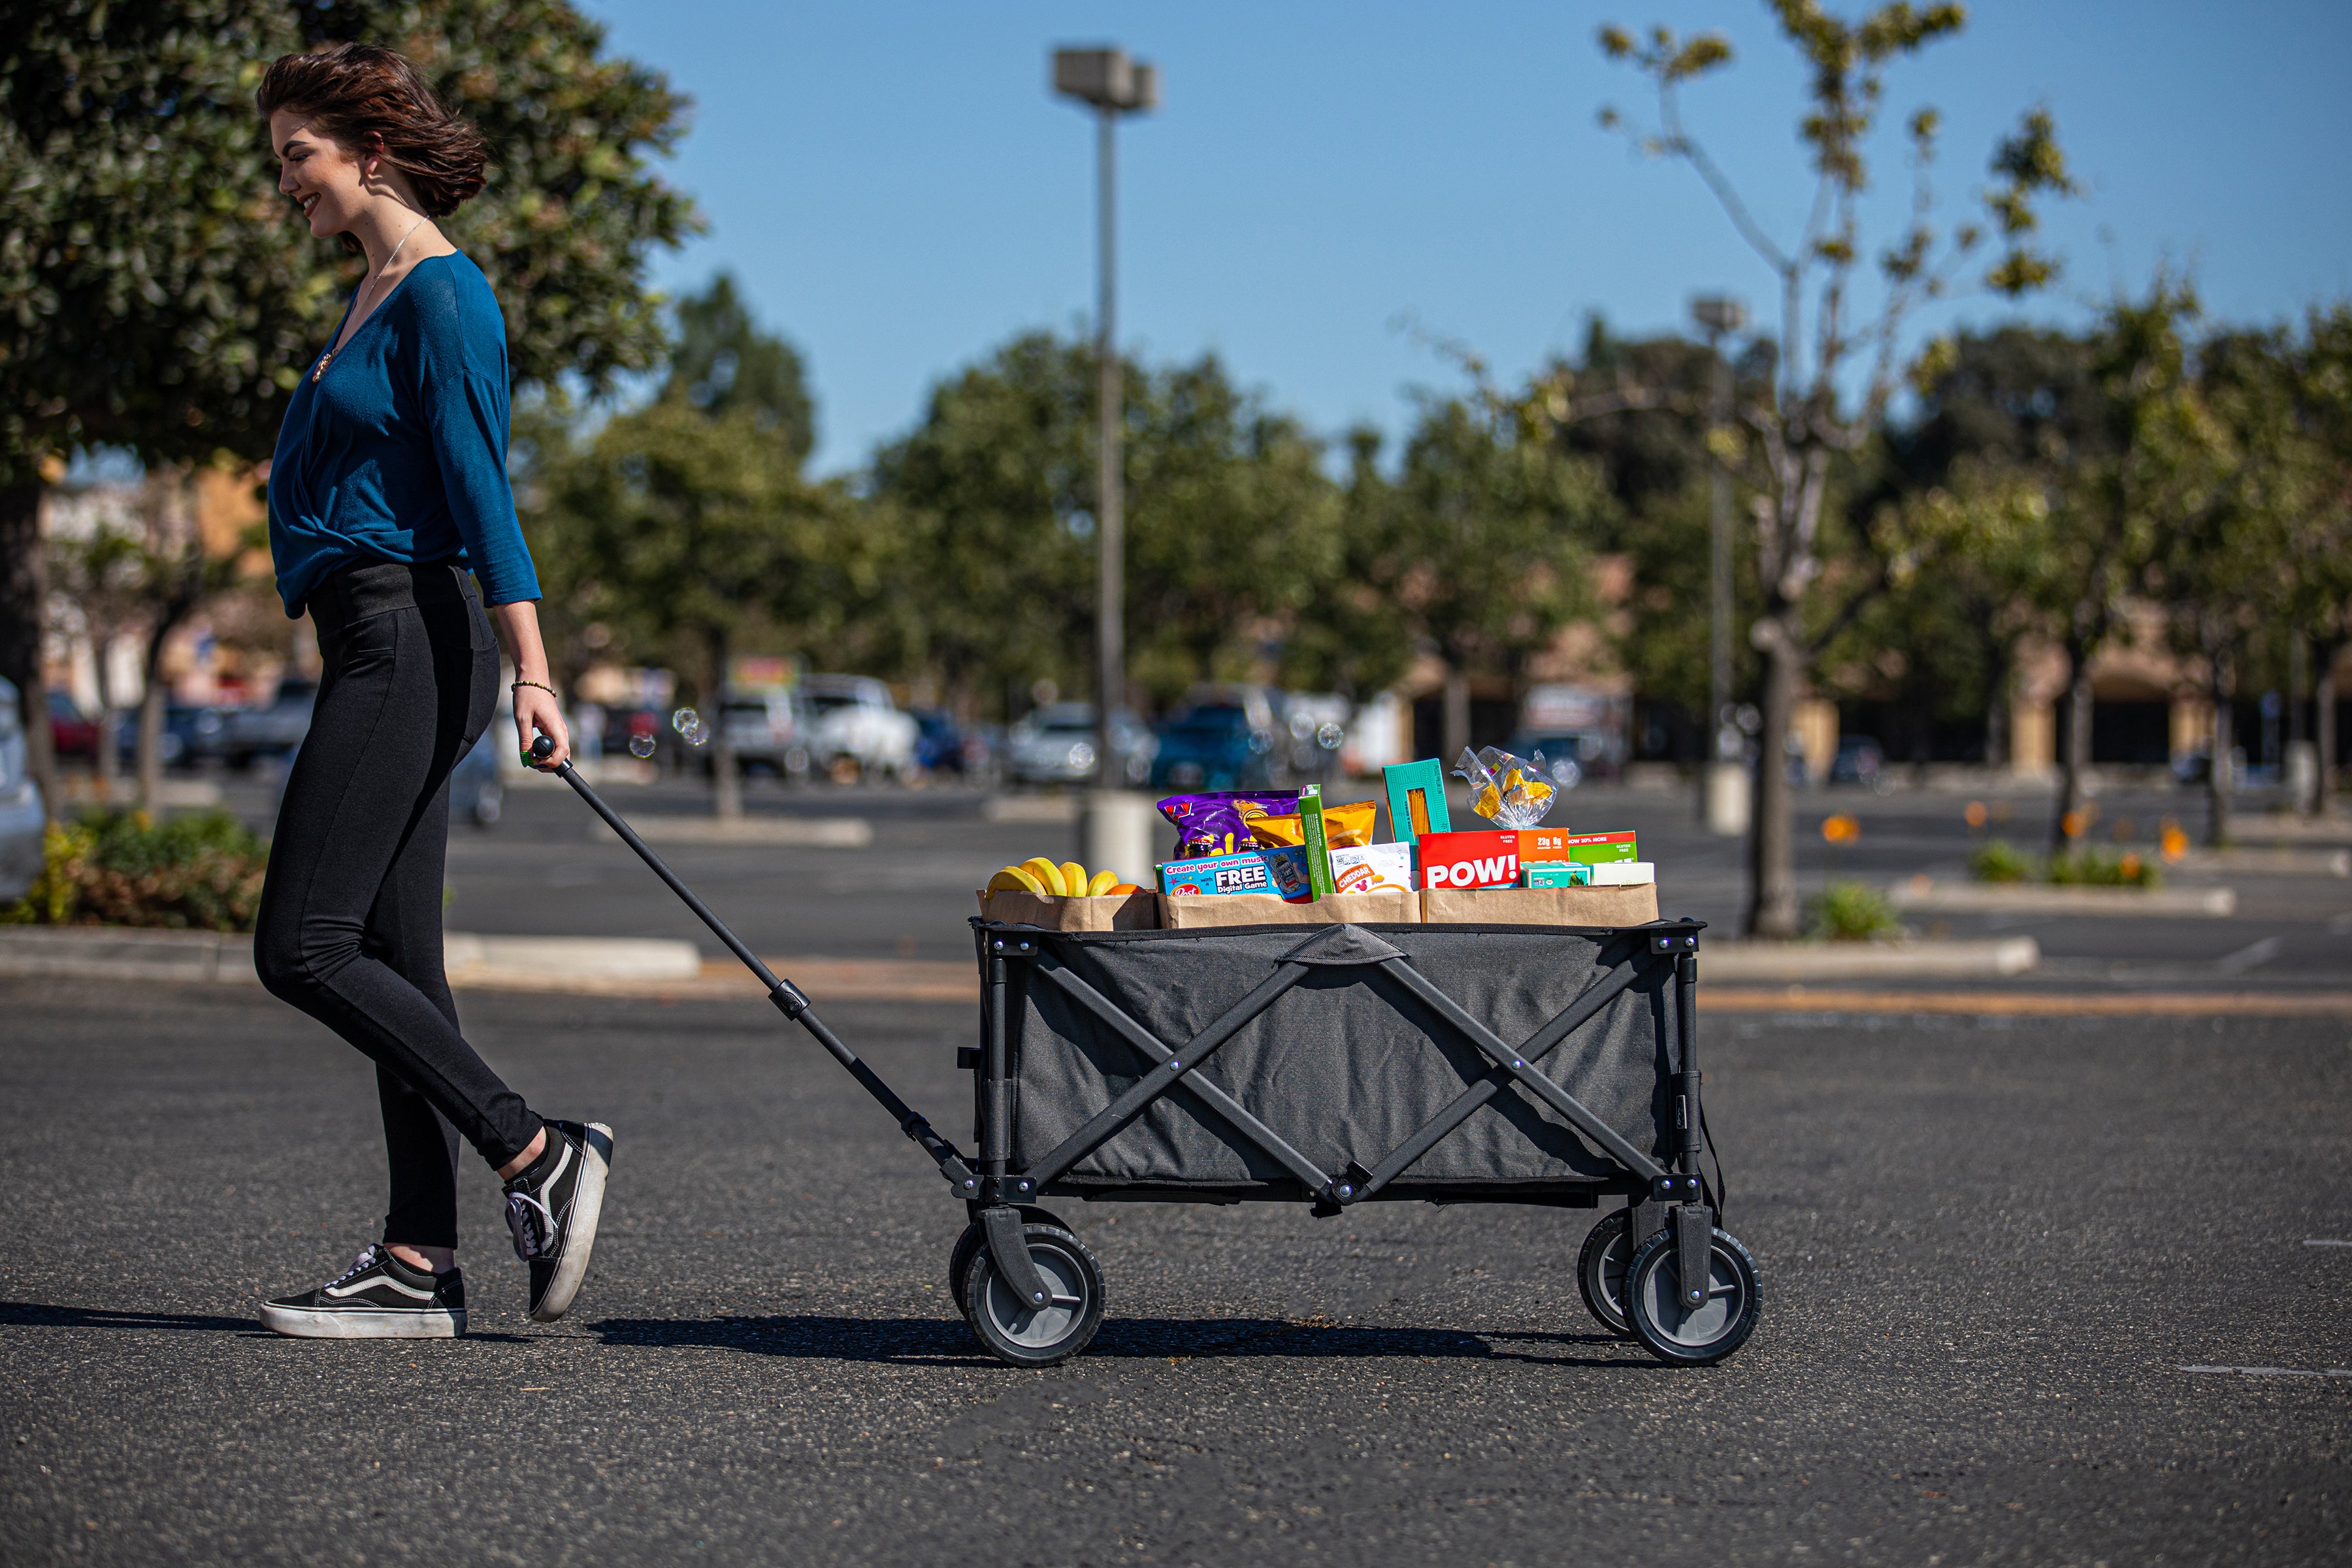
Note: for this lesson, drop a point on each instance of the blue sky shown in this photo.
(897, 191)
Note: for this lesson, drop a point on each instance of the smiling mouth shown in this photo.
(308, 203)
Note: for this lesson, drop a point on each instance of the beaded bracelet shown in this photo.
(541, 684)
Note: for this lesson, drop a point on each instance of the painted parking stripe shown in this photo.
(2276, 1370)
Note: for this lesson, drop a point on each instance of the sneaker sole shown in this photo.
(308, 1323)
(587, 1208)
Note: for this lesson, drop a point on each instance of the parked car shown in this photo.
(944, 746)
(275, 731)
(21, 809)
(1055, 744)
(190, 734)
(852, 719)
(72, 732)
(1316, 727)
(476, 794)
(1858, 762)
(648, 728)
(768, 731)
(1563, 756)
(1223, 739)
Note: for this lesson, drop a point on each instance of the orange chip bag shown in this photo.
(1347, 826)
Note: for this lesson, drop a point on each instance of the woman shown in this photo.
(388, 485)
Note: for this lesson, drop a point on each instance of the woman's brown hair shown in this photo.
(376, 103)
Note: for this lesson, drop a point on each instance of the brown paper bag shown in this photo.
(1120, 912)
(1192, 911)
(1541, 906)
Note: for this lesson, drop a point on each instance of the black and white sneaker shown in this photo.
(552, 1208)
(377, 1298)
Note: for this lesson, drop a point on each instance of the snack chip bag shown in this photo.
(1508, 791)
(1218, 821)
(1349, 826)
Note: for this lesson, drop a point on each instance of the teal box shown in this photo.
(1416, 800)
(1555, 874)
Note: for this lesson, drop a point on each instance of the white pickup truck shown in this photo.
(852, 717)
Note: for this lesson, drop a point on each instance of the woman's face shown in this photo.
(319, 173)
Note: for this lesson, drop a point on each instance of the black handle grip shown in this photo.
(543, 749)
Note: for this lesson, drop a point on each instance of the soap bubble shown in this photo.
(1329, 736)
(641, 745)
(690, 727)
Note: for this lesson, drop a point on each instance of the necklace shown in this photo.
(329, 357)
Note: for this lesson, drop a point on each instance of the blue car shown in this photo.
(21, 813)
(1215, 746)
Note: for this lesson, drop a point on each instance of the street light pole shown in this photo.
(1725, 797)
(1117, 829)
(1111, 486)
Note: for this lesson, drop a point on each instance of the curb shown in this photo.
(821, 832)
(2029, 898)
(1798, 961)
(530, 963)
(2312, 861)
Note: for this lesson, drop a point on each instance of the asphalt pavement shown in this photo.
(1993, 1250)
(2036, 1290)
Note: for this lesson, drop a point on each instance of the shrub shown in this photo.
(2001, 861)
(1852, 912)
(202, 871)
(2106, 868)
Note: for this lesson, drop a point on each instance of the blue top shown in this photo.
(398, 452)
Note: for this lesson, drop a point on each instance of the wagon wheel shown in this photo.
(1701, 1335)
(1601, 1273)
(973, 1239)
(1020, 1335)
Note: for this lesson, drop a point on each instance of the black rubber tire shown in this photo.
(968, 1244)
(1714, 1332)
(1601, 1273)
(1019, 1337)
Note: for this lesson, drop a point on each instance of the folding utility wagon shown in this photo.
(1331, 1066)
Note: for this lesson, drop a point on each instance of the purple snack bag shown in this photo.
(1216, 822)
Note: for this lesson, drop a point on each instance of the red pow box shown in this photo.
(1482, 859)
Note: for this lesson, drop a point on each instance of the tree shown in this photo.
(1476, 551)
(722, 363)
(1235, 527)
(2113, 497)
(158, 296)
(2319, 604)
(1232, 525)
(683, 532)
(1803, 424)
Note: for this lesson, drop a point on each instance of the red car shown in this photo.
(71, 734)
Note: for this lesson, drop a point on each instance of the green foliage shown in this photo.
(156, 292)
(202, 871)
(1851, 912)
(722, 362)
(2087, 865)
(2092, 867)
(2001, 861)
(1231, 526)
(1477, 548)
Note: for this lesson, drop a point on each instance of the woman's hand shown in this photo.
(538, 712)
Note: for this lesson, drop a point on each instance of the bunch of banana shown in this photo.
(1067, 880)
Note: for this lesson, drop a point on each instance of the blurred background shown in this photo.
(1752, 401)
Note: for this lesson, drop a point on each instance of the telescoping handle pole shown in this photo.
(782, 992)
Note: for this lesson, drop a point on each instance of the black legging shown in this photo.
(350, 913)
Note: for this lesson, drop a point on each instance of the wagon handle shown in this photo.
(787, 997)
